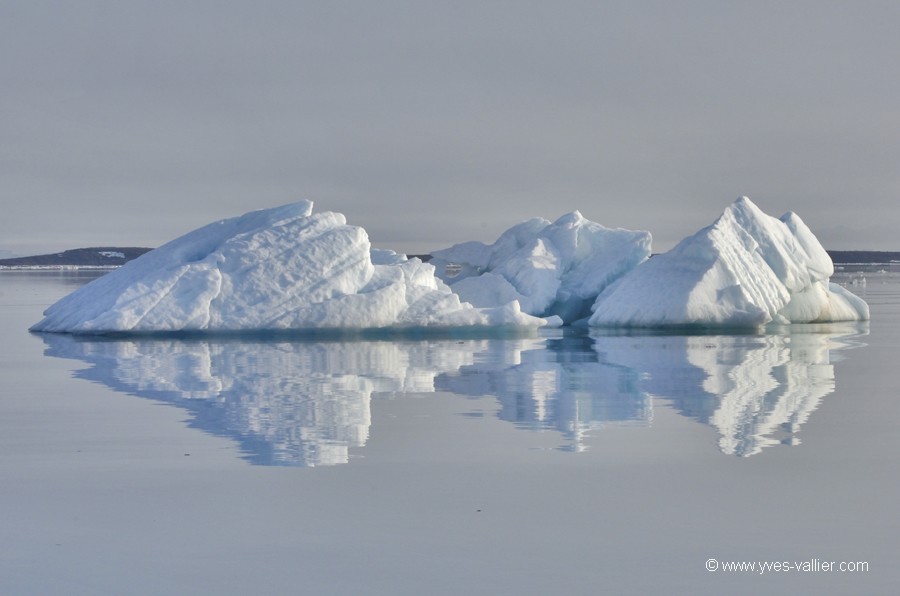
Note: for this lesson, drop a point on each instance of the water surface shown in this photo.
(560, 462)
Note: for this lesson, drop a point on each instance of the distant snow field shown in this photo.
(287, 268)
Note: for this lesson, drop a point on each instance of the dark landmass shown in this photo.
(863, 256)
(102, 256)
(113, 256)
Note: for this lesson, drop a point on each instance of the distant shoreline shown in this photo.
(98, 257)
(112, 257)
(863, 257)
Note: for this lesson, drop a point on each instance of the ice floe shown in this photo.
(287, 268)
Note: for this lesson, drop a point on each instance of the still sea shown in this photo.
(547, 463)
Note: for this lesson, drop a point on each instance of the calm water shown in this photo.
(556, 462)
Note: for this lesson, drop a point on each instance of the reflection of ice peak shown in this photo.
(767, 388)
(757, 390)
(288, 403)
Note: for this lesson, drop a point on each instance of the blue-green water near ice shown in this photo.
(555, 462)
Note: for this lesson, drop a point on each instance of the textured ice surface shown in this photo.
(287, 268)
(281, 268)
(549, 268)
(745, 270)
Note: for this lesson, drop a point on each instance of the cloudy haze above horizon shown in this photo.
(130, 123)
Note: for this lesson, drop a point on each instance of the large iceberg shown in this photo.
(289, 269)
(280, 268)
(550, 269)
(747, 269)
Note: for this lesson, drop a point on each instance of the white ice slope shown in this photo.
(747, 269)
(280, 268)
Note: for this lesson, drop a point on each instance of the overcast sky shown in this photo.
(429, 123)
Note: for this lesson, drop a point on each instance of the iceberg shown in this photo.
(550, 269)
(746, 270)
(272, 269)
(287, 268)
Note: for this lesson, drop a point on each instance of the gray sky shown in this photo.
(429, 123)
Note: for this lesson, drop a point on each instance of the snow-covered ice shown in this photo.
(554, 268)
(287, 268)
(747, 269)
(280, 268)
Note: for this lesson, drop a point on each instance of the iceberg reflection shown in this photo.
(560, 384)
(308, 403)
(755, 390)
(287, 403)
